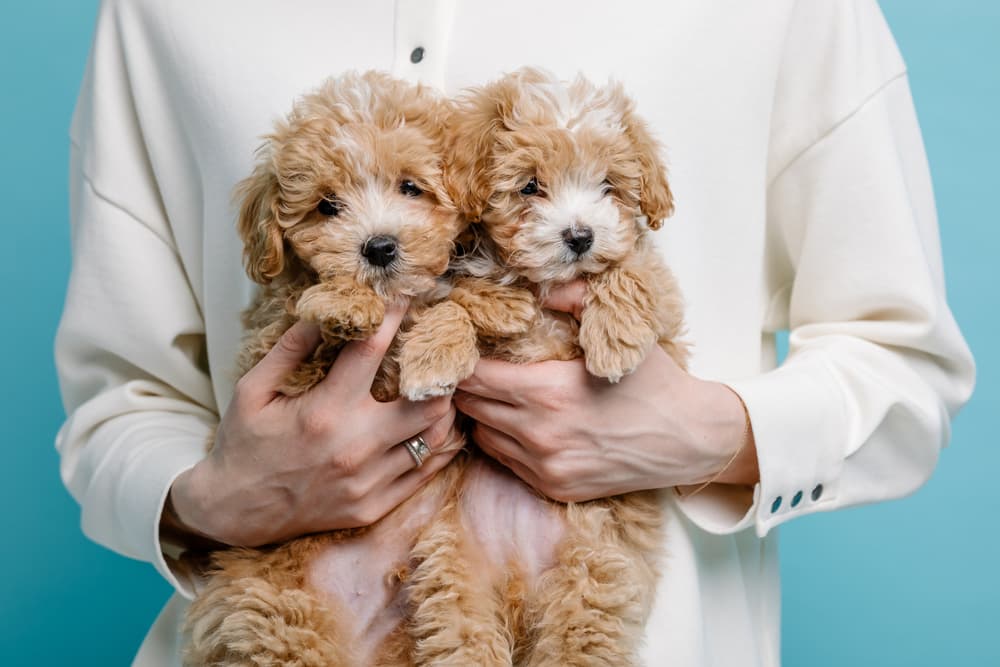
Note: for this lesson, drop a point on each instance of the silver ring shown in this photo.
(418, 449)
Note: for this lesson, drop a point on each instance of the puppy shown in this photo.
(345, 212)
(563, 181)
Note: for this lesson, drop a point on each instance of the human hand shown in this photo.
(328, 459)
(575, 437)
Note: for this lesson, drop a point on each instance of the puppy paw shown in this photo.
(339, 315)
(498, 311)
(519, 313)
(437, 353)
(614, 344)
(425, 373)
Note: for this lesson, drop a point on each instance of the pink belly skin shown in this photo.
(510, 523)
(507, 524)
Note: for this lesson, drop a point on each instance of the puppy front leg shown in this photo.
(437, 352)
(496, 311)
(344, 311)
(619, 323)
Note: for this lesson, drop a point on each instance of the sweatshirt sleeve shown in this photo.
(130, 348)
(877, 367)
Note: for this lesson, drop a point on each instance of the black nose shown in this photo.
(579, 239)
(379, 250)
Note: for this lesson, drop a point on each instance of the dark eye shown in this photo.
(531, 188)
(328, 206)
(607, 188)
(410, 189)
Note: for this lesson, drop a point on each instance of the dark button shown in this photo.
(796, 499)
(817, 492)
(416, 55)
(776, 504)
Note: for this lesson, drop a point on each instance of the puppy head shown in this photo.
(349, 186)
(559, 175)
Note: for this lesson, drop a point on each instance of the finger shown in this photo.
(295, 345)
(404, 486)
(359, 360)
(499, 380)
(401, 418)
(499, 445)
(567, 298)
(508, 453)
(440, 437)
(499, 415)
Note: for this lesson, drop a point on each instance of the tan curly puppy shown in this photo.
(345, 212)
(563, 181)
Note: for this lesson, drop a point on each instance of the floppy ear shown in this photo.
(263, 245)
(473, 124)
(655, 199)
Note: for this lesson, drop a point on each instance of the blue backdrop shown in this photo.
(914, 582)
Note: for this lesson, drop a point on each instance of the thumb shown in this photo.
(567, 298)
(359, 361)
(263, 380)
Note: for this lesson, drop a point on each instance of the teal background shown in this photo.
(913, 582)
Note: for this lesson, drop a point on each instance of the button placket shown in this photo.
(422, 32)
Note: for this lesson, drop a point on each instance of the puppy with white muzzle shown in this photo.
(562, 182)
(345, 213)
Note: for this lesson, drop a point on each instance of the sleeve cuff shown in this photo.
(167, 556)
(136, 491)
(796, 412)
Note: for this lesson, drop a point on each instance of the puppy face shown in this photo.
(349, 187)
(563, 177)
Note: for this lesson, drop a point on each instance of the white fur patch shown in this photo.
(577, 106)
(543, 253)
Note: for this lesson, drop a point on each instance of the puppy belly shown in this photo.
(359, 576)
(512, 529)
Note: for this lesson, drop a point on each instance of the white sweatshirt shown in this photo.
(803, 202)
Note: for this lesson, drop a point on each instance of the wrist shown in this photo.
(727, 436)
(185, 511)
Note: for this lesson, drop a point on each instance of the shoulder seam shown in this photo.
(833, 127)
(121, 207)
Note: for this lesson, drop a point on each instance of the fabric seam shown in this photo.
(837, 125)
(111, 202)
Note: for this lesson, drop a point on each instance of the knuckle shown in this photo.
(293, 342)
(346, 462)
(555, 395)
(436, 410)
(356, 490)
(543, 441)
(369, 349)
(242, 389)
(315, 423)
(552, 473)
(364, 514)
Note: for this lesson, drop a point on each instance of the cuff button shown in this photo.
(417, 55)
(796, 499)
(776, 504)
(817, 492)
